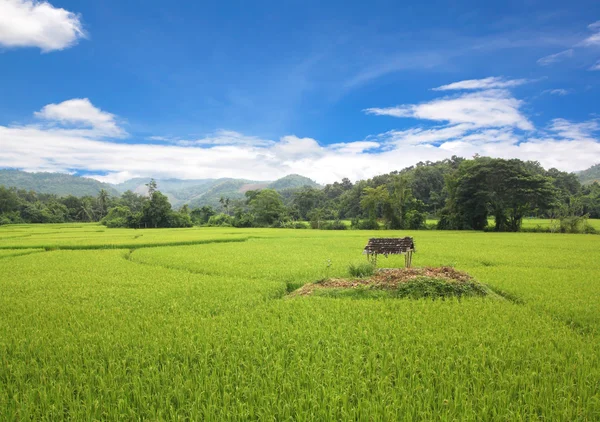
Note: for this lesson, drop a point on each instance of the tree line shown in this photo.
(481, 193)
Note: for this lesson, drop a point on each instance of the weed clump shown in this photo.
(438, 288)
(361, 270)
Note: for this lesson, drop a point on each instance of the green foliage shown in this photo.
(361, 270)
(437, 288)
(117, 217)
(294, 225)
(365, 225)
(459, 194)
(220, 220)
(334, 225)
(505, 189)
(200, 216)
(267, 207)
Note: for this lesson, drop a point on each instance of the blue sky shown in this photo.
(118, 89)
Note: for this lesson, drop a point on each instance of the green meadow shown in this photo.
(198, 324)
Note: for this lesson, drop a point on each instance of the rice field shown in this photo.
(197, 324)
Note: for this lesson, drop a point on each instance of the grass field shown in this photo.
(196, 324)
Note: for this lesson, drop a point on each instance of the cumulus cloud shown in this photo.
(491, 108)
(30, 23)
(554, 58)
(564, 144)
(80, 112)
(486, 83)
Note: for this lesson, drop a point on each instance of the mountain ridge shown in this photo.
(195, 192)
(590, 175)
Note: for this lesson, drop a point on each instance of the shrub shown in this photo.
(576, 224)
(415, 220)
(294, 225)
(243, 219)
(361, 270)
(220, 220)
(334, 225)
(117, 217)
(368, 225)
(177, 219)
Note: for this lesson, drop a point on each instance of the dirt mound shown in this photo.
(406, 282)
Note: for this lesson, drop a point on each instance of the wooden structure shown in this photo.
(390, 246)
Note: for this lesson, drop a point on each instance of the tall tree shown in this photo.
(374, 198)
(267, 207)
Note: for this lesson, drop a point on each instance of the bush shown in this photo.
(415, 220)
(294, 225)
(576, 224)
(361, 270)
(334, 225)
(10, 218)
(117, 217)
(177, 219)
(243, 220)
(220, 220)
(368, 225)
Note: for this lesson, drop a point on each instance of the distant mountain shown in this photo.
(201, 192)
(590, 175)
(56, 183)
(292, 181)
(196, 192)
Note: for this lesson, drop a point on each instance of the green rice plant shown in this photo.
(161, 330)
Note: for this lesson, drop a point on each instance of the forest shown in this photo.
(459, 194)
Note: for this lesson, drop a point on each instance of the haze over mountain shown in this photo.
(196, 192)
(55, 183)
(590, 175)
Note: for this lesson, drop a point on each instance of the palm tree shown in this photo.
(86, 212)
(103, 202)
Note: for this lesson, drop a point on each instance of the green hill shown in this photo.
(590, 175)
(293, 181)
(56, 183)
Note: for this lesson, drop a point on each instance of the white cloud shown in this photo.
(486, 83)
(82, 113)
(596, 66)
(558, 91)
(563, 144)
(592, 40)
(221, 137)
(491, 108)
(30, 23)
(418, 136)
(566, 129)
(554, 58)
